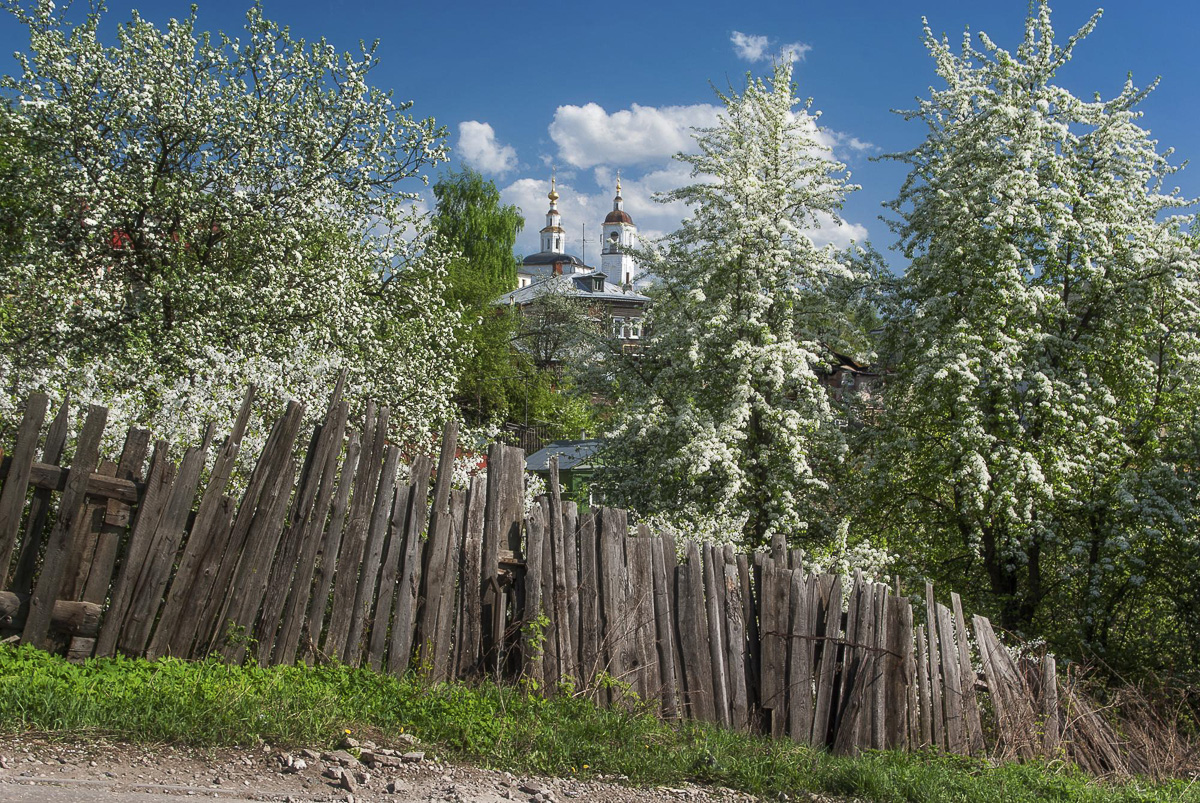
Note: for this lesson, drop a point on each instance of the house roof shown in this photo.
(575, 285)
(550, 257)
(571, 455)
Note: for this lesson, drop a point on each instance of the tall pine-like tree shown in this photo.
(1040, 437)
(722, 412)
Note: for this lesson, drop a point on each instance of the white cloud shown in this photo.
(752, 47)
(478, 147)
(592, 143)
(588, 135)
(748, 46)
(794, 51)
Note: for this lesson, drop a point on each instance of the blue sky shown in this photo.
(594, 88)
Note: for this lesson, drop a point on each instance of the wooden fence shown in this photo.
(333, 553)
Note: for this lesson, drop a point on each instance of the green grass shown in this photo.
(215, 704)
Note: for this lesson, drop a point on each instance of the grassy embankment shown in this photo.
(214, 704)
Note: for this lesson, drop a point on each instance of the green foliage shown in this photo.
(483, 231)
(1039, 443)
(513, 368)
(210, 703)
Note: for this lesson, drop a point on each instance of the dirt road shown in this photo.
(36, 770)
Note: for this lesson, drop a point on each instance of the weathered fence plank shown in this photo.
(287, 640)
(201, 559)
(735, 642)
(716, 633)
(470, 634)
(590, 655)
(533, 633)
(59, 546)
(16, 479)
(830, 592)
(368, 578)
(800, 658)
(663, 629)
(693, 637)
(39, 505)
(956, 734)
(899, 675)
(570, 519)
(564, 636)
(937, 706)
(402, 500)
(614, 620)
(354, 541)
(298, 546)
(404, 607)
(158, 488)
(331, 543)
(501, 530)
(974, 727)
(218, 617)
(436, 553)
(254, 569)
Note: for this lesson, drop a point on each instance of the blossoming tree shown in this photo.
(196, 213)
(720, 418)
(1040, 437)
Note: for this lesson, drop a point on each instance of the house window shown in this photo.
(617, 325)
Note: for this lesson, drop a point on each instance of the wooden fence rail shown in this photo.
(332, 552)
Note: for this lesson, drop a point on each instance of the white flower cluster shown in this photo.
(722, 411)
(199, 213)
(1041, 413)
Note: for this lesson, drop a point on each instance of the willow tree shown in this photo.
(1040, 438)
(721, 418)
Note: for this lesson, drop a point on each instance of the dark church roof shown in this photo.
(618, 216)
(551, 257)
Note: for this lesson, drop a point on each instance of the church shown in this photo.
(608, 290)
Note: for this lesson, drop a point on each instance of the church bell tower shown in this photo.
(619, 234)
